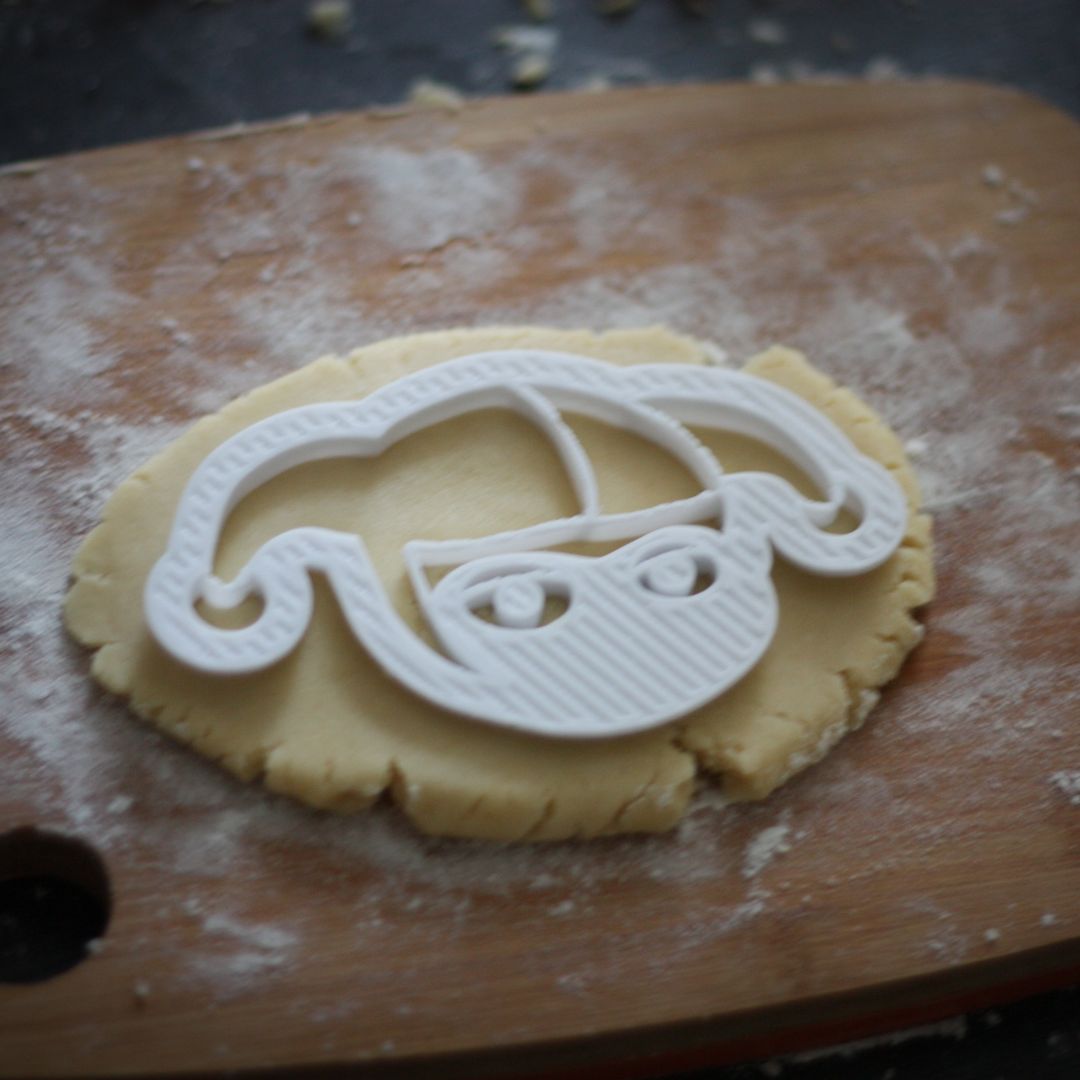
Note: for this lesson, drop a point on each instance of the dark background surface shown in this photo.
(76, 74)
(81, 73)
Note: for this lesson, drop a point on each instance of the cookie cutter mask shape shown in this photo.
(648, 632)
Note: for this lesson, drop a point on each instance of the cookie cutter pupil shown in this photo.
(519, 604)
(674, 574)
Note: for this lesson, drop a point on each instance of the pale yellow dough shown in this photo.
(327, 727)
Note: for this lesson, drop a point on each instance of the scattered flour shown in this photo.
(1068, 783)
(764, 847)
(266, 939)
(422, 201)
(241, 951)
(916, 448)
(1012, 215)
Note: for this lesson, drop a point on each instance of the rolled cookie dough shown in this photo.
(326, 726)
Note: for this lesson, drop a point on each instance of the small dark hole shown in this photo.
(54, 901)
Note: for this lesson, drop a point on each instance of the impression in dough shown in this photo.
(327, 726)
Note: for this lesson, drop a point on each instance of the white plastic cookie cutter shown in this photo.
(650, 631)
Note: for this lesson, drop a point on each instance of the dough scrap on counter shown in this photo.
(328, 727)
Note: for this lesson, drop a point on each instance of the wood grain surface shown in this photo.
(932, 860)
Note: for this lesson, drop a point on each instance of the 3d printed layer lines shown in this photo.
(654, 629)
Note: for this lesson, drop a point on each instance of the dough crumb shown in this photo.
(435, 95)
(533, 50)
(714, 354)
(539, 10)
(330, 20)
(993, 176)
(530, 70)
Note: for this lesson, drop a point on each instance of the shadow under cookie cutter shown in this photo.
(648, 633)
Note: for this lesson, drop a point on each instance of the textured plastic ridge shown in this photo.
(640, 636)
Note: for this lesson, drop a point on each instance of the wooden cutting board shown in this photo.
(919, 241)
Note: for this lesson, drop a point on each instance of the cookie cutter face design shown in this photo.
(538, 639)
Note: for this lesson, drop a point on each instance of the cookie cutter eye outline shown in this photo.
(629, 652)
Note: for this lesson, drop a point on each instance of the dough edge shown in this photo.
(523, 788)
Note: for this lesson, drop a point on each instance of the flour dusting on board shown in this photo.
(258, 287)
(1068, 783)
(764, 847)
